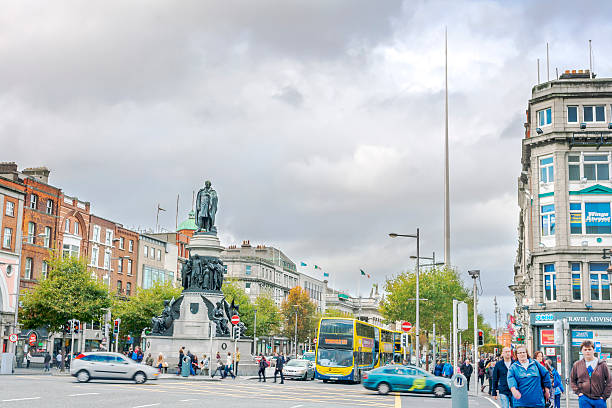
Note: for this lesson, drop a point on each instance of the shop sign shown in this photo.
(550, 351)
(578, 336)
(598, 347)
(573, 318)
(604, 356)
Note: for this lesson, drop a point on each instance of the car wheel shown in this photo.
(83, 376)
(140, 377)
(383, 388)
(439, 391)
(305, 378)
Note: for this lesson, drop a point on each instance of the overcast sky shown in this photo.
(320, 123)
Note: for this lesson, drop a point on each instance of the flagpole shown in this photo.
(359, 294)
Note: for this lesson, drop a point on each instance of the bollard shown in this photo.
(459, 394)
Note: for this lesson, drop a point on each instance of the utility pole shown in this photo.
(434, 344)
(255, 333)
(496, 311)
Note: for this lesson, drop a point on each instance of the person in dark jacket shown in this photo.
(467, 369)
(499, 385)
(263, 364)
(481, 372)
(590, 378)
(180, 359)
(439, 368)
(529, 382)
(280, 362)
(47, 361)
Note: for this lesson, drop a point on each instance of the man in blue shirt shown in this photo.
(447, 371)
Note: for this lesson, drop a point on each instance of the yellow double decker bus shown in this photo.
(346, 347)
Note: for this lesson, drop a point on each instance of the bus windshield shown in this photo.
(335, 358)
(337, 326)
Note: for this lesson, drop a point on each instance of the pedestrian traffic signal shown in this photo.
(236, 332)
(404, 341)
(116, 325)
(76, 326)
(480, 338)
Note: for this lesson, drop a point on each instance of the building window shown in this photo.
(151, 275)
(547, 170)
(70, 250)
(247, 287)
(146, 251)
(129, 267)
(248, 270)
(548, 220)
(596, 167)
(597, 218)
(119, 286)
(544, 117)
(159, 254)
(96, 233)
(550, 282)
(45, 269)
(600, 282)
(121, 242)
(596, 113)
(94, 256)
(67, 225)
(131, 246)
(573, 167)
(575, 218)
(109, 238)
(49, 206)
(576, 281)
(10, 209)
(128, 288)
(47, 237)
(31, 232)
(107, 257)
(8, 238)
(76, 228)
(33, 201)
(572, 114)
(120, 265)
(28, 268)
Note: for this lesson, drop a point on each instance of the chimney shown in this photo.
(8, 170)
(39, 173)
(246, 244)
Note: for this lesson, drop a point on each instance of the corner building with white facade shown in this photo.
(565, 194)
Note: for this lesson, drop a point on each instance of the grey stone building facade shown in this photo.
(564, 195)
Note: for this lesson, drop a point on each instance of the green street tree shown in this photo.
(334, 312)
(136, 311)
(306, 315)
(68, 292)
(439, 286)
(268, 316)
(233, 290)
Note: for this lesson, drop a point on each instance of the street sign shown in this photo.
(462, 316)
(13, 338)
(32, 339)
(598, 346)
(314, 341)
(235, 319)
(406, 326)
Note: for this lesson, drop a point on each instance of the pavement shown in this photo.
(36, 390)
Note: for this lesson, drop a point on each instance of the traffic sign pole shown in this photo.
(235, 328)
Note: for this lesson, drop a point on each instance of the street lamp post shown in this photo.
(475, 274)
(418, 332)
(296, 316)
(255, 332)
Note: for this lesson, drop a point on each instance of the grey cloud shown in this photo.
(291, 96)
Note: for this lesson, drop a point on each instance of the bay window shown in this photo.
(547, 170)
(548, 220)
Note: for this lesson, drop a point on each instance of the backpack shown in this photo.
(267, 363)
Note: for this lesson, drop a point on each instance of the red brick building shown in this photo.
(73, 227)
(40, 219)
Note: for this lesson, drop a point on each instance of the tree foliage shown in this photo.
(306, 315)
(233, 291)
(68, 292)
(136, 312)
(268, 316)
(334, 312)
(439, 286)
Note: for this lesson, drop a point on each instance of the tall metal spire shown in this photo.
(447, 258)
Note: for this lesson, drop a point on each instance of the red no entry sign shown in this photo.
(13, 338)
(235, 319)
(406, 326)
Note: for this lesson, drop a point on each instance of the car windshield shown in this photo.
(335, 358)
(297, 363)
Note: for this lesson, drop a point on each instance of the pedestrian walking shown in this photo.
(228, 365)
(539, 357)
(499, 385)
(263, 364)
(590, 378)
(438, 369)
(280, 362)
(236, 361)
(447, 370)
(220, 367)
(205, 365)
(528, 381)
(58, 360)
(180, 360)
(467, 369)
(481, 372)
(161, 364)
(489, 373)
(47, 361)
(28, 358)
(557, 383)
(149, 360)
(191, 357)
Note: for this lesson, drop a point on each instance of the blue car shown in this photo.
(407, 379)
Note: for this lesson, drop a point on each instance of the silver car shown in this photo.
(301, 369)
(110, 366)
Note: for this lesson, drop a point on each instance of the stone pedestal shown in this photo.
(205, 244)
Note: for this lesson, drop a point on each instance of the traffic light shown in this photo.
(405, 340)
(236, 332)
(67, 327)
(76, 325)
(480, 338)
(116, 325)
(71, 321)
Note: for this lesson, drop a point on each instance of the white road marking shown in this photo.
(297, 406)
(492, 402)
(149, 405)
(21, 399)
(85, 393)
(187, 400)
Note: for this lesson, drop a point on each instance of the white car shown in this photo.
(110, 366)
(301, 369)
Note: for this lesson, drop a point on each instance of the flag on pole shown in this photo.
(364, 274)
(303, 263)
(326, 275)
(317, 267)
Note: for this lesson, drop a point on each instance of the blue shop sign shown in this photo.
(578, 336)
(573, 318)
